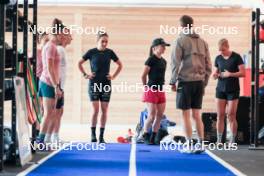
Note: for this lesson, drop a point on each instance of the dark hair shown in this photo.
(186, 21)
(101, 34)
(151, 51)
(58, 26)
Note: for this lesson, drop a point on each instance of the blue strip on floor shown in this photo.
(150, 161)
(113, 160)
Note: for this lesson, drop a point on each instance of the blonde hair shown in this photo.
(223, 42)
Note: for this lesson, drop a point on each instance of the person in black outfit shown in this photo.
(99, 87)
(154, 96)
(229, 68)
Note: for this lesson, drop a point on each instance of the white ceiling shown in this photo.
(184, 3)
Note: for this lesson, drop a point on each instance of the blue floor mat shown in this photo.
(150, 161)
(113, 160)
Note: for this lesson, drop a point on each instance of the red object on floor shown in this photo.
(247, 82)
(122, 140)
(261, 34)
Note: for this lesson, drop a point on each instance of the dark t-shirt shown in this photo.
(232, 65)
(156, 76)
(100, 63)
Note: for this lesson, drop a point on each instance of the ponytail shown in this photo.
(151, 51)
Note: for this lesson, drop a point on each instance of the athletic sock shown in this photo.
(93, 131)
(102, 133)
(37, 132)
(55, 137)
(101, 137)
(233, 138)
(47, 138)
(200, 140)
(219, 137)
(152, 138)
(188, 140)
(41, 136)
(93, 134)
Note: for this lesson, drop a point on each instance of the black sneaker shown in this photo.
(93, 139)
(152, 139)
(146, 137)
(101, 140)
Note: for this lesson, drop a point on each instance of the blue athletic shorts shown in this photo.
(46, 90)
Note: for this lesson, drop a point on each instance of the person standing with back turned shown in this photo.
(191, 68)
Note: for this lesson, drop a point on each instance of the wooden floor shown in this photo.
(131, 31)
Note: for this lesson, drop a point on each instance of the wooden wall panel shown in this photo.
(131, 31)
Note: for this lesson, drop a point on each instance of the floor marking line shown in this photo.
(132, 160)
(225, 164)
(31, 168)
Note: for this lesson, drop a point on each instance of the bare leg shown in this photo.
(231, 113)
(187, 124)
(159, 115)
(199, 124)
(221, 108)
(49, 116)
(95, 105)
(104, 108)
(59, 113)
(151, 115)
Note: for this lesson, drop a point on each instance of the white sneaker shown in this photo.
(186, 150)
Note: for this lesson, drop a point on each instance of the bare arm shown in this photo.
(144, 75)
(118, 69)
(216, 73)
(51, 73)
(240, 73)
(80, 65)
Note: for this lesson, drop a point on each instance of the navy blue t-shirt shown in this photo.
(100, 63)
(232, 65)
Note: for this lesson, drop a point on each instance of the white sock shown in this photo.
(55, 137)
(200, 140)
(233, 138)
(47, 138)
(219, 137)
(188, 140)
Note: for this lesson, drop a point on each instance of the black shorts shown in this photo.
(60, 102)
(100, 92)
(190, 95)
(227, 95)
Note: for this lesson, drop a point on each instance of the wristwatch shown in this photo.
(84, 74)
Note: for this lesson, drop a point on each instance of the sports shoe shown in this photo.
(186, 150)
(101, 140)
(93, 139)
(146, 137)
